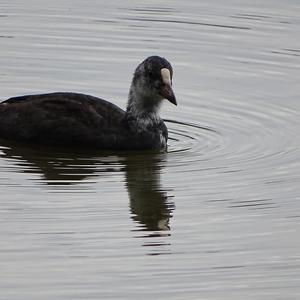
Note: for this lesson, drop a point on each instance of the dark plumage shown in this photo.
(72, 119)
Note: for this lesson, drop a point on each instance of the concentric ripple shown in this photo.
(242, 133)
(255, 143)
(187, 136)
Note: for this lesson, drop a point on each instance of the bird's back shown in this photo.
(60, 118)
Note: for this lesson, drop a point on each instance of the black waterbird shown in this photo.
(79, 120)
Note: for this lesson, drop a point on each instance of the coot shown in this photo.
(78, 120)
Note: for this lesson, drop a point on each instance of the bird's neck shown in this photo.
(142, 106)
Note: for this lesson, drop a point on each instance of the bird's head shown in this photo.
(152, 82)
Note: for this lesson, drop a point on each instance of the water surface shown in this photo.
(217, 216)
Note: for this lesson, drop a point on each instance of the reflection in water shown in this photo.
(150, 205)
(57, 167)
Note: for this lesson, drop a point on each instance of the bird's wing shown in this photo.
(58, 116)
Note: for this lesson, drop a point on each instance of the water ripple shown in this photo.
(248, 142)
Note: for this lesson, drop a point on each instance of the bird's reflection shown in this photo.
(151, 206)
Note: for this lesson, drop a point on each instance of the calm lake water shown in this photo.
(217, 216)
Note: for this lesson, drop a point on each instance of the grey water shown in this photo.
(215, 217)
